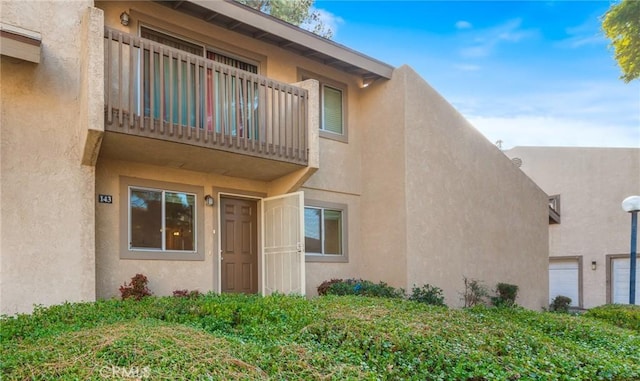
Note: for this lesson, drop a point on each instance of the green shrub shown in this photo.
(136, 289)
(475, 293)
(323, 288)
(506, 295)
(560, 303)
(427, 294)
(186, 293)
(363, 288)
(622, 315)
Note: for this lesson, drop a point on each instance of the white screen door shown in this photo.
(283, 244)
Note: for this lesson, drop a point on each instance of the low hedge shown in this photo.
(622, 315)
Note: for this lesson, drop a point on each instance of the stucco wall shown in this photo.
(384, 215)
(591, 182)
(472, 213)
(47, 238)
(165, 276)
(441, 202)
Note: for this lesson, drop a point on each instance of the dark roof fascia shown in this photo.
(296, 36)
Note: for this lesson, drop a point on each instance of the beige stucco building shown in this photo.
(589, 240)
(211, 147)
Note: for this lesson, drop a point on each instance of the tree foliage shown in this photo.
(621, 25)
(297, 12)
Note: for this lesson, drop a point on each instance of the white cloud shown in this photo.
(485, 41)
(599, 113)
(587, 33)
(552, 131)
(463, 25)
(467, 67)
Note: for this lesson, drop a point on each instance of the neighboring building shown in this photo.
(181, 139)
(589, 233)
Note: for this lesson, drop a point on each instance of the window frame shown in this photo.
(127, 252)
(322, 257)
(206, 47)
(342, 87)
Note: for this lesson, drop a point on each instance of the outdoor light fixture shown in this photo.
(593, 265)
(367, 81)
(631, 205)
(208, 200)
(124, 18)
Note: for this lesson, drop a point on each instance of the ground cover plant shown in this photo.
(227, 337)
(622, 315)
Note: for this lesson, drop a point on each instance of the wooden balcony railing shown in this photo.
(156, 91)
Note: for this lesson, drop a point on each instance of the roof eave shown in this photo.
(271, 26)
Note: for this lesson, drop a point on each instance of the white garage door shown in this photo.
(563, 280)
(620, 281)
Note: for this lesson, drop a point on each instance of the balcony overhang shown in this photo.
(119, 146)
(250, 22)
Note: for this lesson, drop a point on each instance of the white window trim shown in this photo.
(321, 257)
(127, 252)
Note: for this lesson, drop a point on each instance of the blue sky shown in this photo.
(524, 72)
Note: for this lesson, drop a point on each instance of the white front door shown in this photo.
(283, 244)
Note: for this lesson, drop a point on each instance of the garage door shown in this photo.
(563, 280)
(620, 281)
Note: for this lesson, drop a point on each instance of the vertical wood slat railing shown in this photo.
(156, 91)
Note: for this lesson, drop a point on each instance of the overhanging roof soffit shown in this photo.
(250, 22)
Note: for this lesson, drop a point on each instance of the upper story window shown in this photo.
(231, 61)
(160, 220)
(171, 41)
(333, 107)
(332, 110)
(193, 48)
(184, 91)
(325, 231)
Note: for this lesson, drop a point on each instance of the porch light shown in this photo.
(208, 200)
(593, 265)
(631, 205)
(124, 18)
(367, 81)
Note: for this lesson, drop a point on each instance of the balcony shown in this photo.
(164, 106)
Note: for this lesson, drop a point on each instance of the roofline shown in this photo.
(272, 25)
